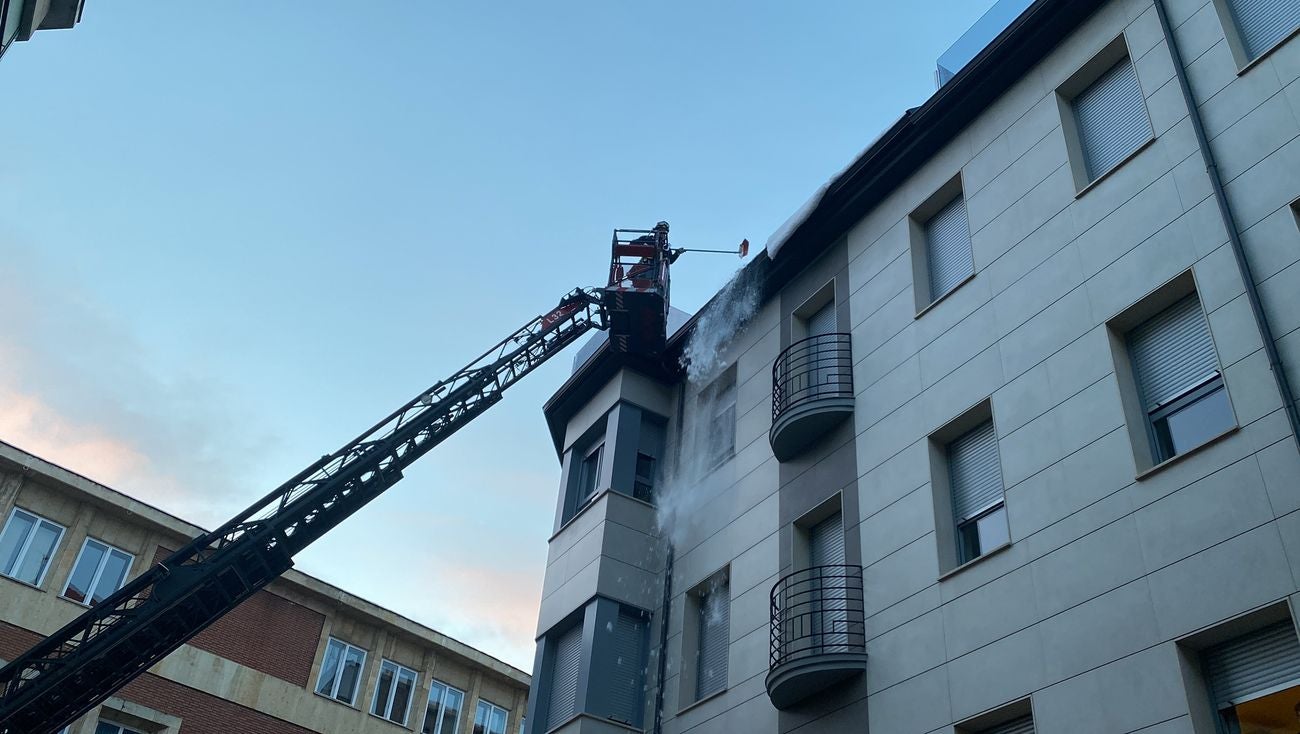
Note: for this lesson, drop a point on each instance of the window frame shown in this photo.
(697, 599)
(643, 485)
(338, 675)
(587, 490)
(1241, 55)
(442, 707)
(399, 669)
(27, 544)
(952, 191)
(1093, 70)
(487, 723)
(720, 396)
(99, 570)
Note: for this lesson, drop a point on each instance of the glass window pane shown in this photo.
(432, 708)
(993, 529)
(1194, 424)
(329, 668)
(37, 558)
(111, 578)
(380, 706)
(451, 706)
(402, 696)
(498, 725)
(481, 714)
(106, 728)
(1276, 713)
(83, 574)
(15, 534)
(351, 675)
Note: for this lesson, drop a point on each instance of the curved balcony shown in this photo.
(818, 632)
(812, 391)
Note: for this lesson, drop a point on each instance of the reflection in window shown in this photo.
(442, 713)
(393, 692)
(489, 719)
(340, 671)
(26, 546)
(100, 570)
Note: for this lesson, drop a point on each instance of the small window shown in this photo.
(643, 485)
(719, 400)
(1262, 24)
(27, 544)
(340, 671)
(1110, 118)
(589, 474)
(523, 724)
(948, 248)
(1178, 379)
(108, 727)
(714, 637)
(442, 712)
(100, 570)
(625, 686)
(975, 479)
(393, 692)
(489, 718)
(1254, 680)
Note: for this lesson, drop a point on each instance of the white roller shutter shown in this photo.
(628, 680)
(1262, 23)
(564, 677)
(974, 473)
(1112, 118)
(948, 248)
(1024, 725)
(1172, 352)
(827, 549)
(714, 640)
(1253, 664)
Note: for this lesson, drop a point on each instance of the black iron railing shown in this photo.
(817, 611)
(812, 369)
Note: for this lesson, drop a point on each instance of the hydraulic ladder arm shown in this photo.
(99, 652)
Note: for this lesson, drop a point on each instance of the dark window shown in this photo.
(643, 485)
(589, 474)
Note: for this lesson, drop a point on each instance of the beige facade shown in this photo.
(255, 670)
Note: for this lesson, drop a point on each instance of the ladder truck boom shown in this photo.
(90, 658)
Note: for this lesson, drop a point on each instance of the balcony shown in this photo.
(812, 392)
(818, 632)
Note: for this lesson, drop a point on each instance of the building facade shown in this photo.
(997, 436)
(300, 656)
(19, 19)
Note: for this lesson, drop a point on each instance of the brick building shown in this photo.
(301, 656)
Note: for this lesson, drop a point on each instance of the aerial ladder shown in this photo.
(76, 668)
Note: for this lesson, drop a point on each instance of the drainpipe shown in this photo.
(1230, 223)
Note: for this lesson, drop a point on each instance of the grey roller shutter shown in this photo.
(714, 638)
(628, 679)
(564, 677)
(1024, 725)
(974, 472)
(823, 321)
(827, 542)
(1262, 23)
(1172, 352)
(1112, 118)
(1252, 664)
(948, 248)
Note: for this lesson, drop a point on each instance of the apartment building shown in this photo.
(1007, 441)
(19, 19)
(300, 656)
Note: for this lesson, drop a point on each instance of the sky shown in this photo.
(234, 235)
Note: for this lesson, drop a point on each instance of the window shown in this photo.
(108, 727)
(10, 21)
(975, 479)
(340, 671)
(26, 546)
(566, 660)
(626, 682)
(489, 718)
(589, 474)
(442, 712)
(714, 624)
(718, 400)
(100, 570)
(643, 485)
(1254, 680)
(1262, 24)
(948, 248)
(1178, 380)
(1022, 725)
(393, 692)
(1110, 116)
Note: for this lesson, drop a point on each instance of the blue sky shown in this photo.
(233, 235)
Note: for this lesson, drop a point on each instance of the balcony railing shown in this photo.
(812, 389)
(818, 632)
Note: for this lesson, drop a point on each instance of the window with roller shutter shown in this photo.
(714, 621)
(975, 480)
(948, 248)
(1254, 679)
(1111, 119)
(1022, 725)
(564, 677)
(1263, 24)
